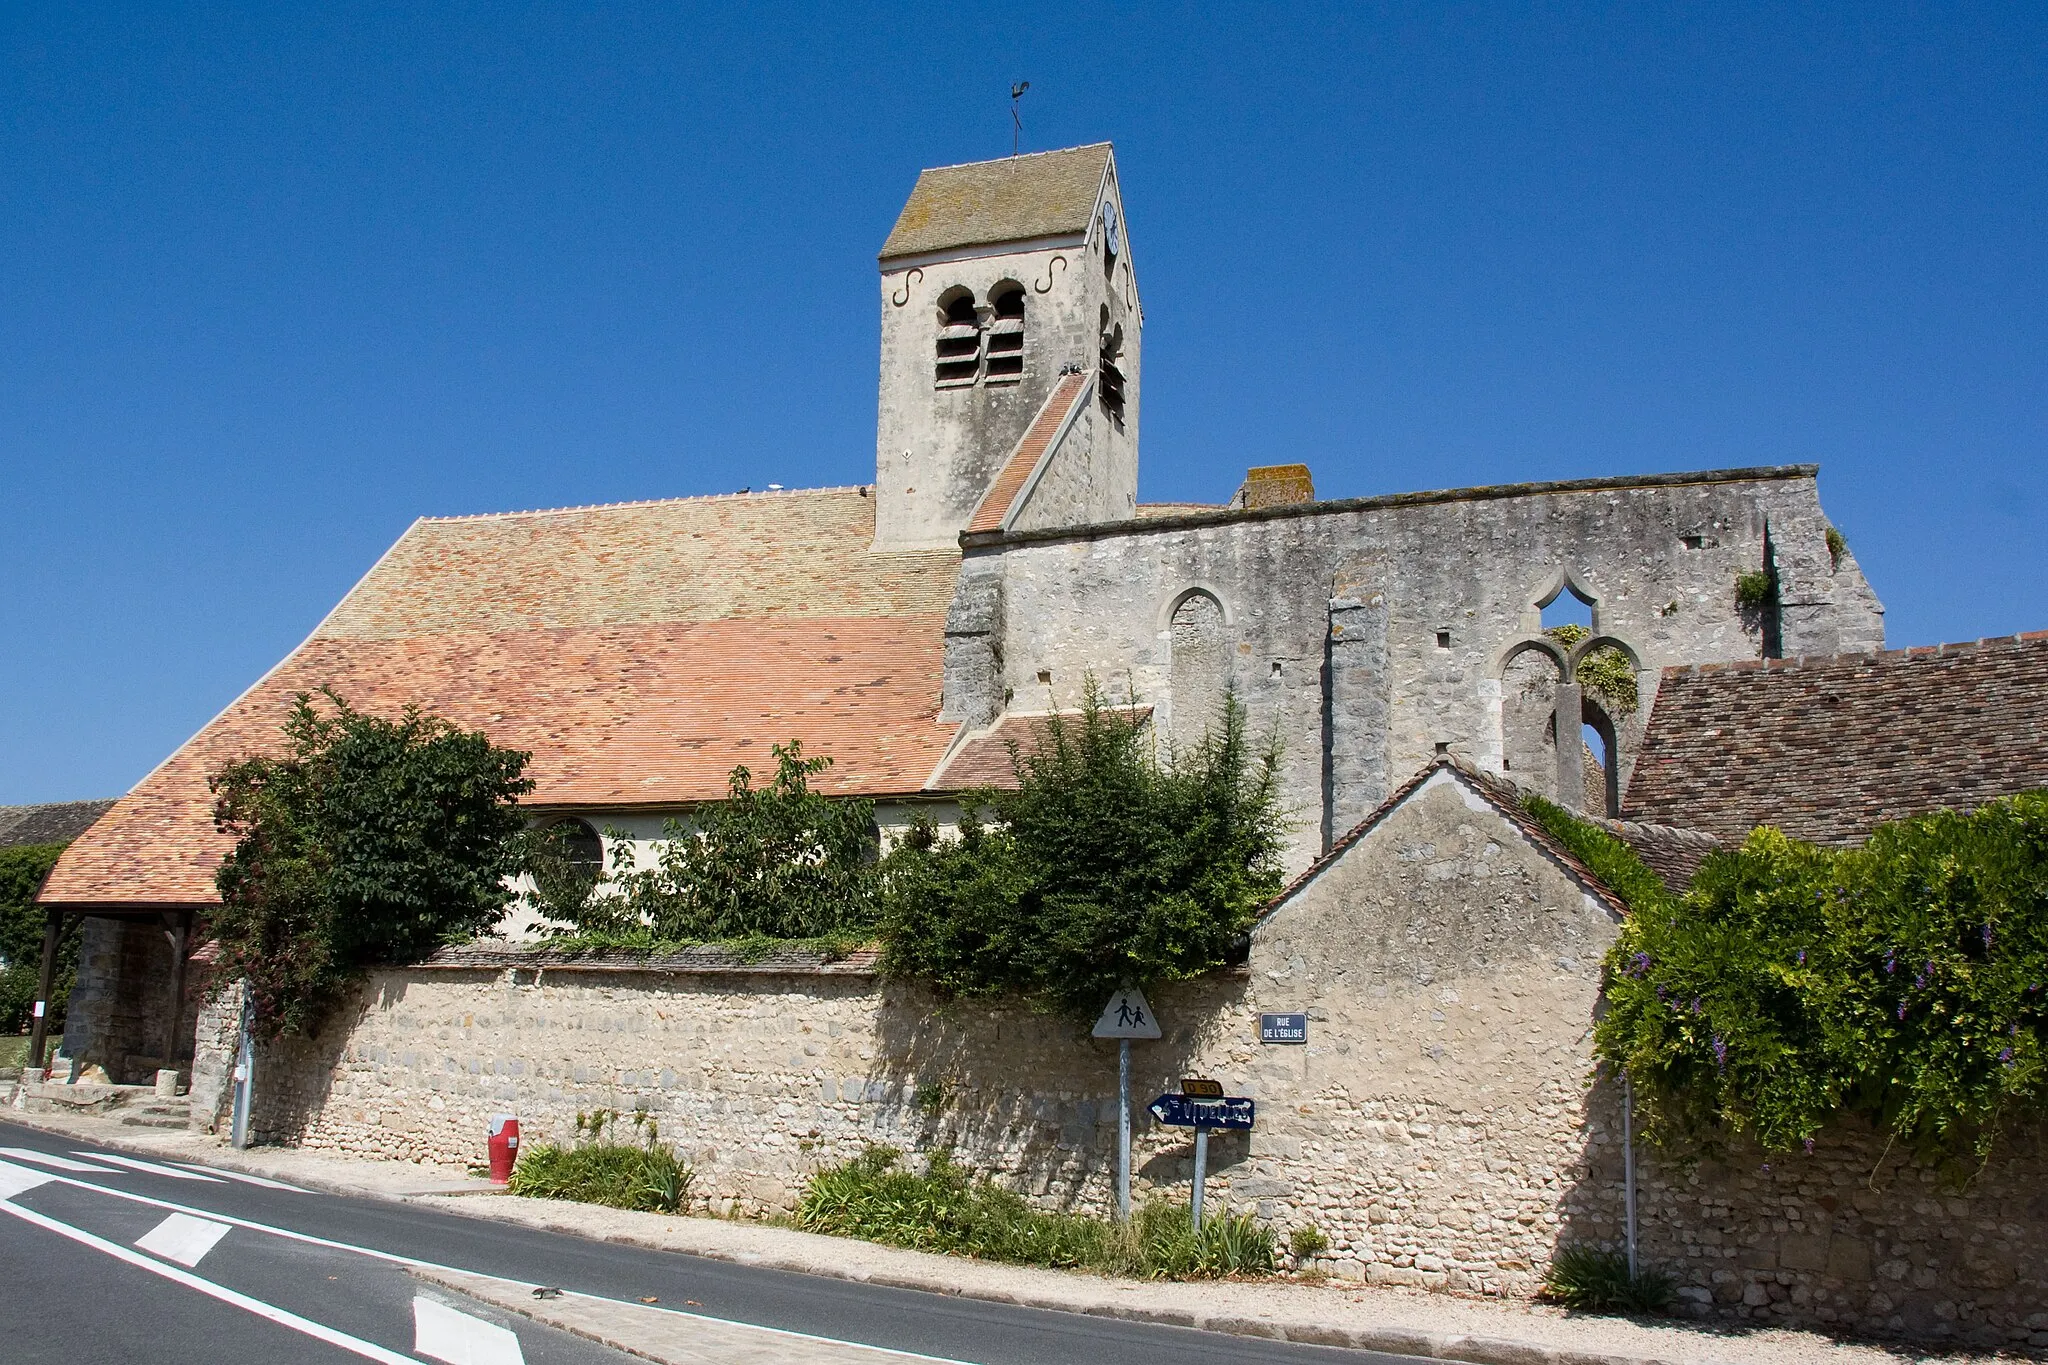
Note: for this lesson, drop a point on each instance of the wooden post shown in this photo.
(53, 929)
(180, 934)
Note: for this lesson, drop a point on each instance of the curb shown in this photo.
(1466, 1349)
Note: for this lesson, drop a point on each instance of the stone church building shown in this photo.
(1682, 654)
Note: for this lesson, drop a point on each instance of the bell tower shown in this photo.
(1010, 352)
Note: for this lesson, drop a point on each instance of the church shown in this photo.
(913, 627)
(1681, 655)
(909, 628)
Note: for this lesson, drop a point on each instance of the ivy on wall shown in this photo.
(1902, 982)
(22, 870)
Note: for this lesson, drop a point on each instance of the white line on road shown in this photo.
(240, 1177)
(442, 1333)
(183, 1238)
(15, 1179)
(62, 1163)
(150, 1167)
(318, 1331)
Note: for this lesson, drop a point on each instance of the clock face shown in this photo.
(1112, 233)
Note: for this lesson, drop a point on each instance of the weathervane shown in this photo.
(1016, 120)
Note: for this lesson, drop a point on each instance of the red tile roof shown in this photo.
(996, 504)
(1827, 748)
(638, 651)
(982, 759)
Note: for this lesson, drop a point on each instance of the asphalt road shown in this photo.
(141, 1261)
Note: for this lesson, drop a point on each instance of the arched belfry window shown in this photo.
(1006, 333)
(959, 346)
(1110, 376)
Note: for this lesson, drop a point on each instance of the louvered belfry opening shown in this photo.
(959, 346)
(1006, 334)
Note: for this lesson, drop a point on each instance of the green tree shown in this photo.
(781, 861)
(370, 841)
(22, 871)
(1106, 866)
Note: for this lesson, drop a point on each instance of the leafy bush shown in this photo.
(1599, 1281)
(22, 870)
(1105, 867)
(1755, 590)
(370, 841)
(947, 1210)
(779, 862)
(1837, 548)
(643, 1175)
(1902, 982)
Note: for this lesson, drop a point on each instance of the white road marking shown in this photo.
(15, 1179)
(183, 1238)
(306, 1326)
(37, 1178)
(62, 1163)
(150, 1167)
(240, 1177)
(442, 1333)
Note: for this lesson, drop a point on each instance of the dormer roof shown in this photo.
(1016, 199)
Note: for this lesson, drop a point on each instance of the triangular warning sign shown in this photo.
(1127, 1016)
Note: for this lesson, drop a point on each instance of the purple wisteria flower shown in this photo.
(1809, 1146)
(2006, 1056)
(1720, 1054)
(1987, 938)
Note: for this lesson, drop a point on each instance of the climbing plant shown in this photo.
(1606, 673)
(1902, 982)
(365, 841)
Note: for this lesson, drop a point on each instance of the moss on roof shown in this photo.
(1015, 199)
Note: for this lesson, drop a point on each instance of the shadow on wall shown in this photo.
(1032, 1098)
(1855, 1237)
(295, 1076)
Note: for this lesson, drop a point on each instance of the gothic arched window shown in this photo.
(1200, 666)
(959, 347)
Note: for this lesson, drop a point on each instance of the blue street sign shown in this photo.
(1180, 1111)
(1283, 1028)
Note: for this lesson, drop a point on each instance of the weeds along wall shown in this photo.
(1439, 1127)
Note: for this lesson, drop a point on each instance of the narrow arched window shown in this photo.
(959, 347)
(1200, 666)
(1006, 333)
(1110, 376)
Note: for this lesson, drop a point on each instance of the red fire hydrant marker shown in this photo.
(504, 1146)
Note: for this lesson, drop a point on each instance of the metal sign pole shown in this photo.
(1628, 1166)
(244, 1074)
(1201, 1169)
(1123, 1127)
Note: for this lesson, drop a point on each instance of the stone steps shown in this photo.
(159, 1114)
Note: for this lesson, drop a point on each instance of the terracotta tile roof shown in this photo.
(1045, 194)
(982, 758)
(1826, 748)
(639, 652)
(53, 822)
(997, 503)
(1503, 796)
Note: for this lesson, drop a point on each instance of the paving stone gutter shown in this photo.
(1402, 1322)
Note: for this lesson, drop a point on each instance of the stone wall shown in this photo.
(1374, 633)
(1439, 1127)
(118, 1016)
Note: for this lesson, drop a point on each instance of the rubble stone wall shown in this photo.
(1439, 1127)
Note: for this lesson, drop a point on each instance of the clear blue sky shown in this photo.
(274, 281)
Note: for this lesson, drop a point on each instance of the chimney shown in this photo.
(1275, 485)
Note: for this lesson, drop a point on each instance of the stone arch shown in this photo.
(1525, 644)
(1199, 659)
(1171, 603)
(1561, 580)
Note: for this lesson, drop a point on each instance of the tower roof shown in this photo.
(1044, 194)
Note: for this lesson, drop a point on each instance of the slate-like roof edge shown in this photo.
(50, 822)
(1501, 795)
(631, 503)
(982, 540)
(1856, 658)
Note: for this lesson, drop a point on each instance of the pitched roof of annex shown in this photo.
(1014, 199)
(51, 822)
(639, 651)
(1825, 748)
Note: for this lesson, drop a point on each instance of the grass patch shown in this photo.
(643, 1175)
(1599, 1282)
(14, 1050)
(948, 1210)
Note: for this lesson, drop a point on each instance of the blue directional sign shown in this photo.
(1180, 1111)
